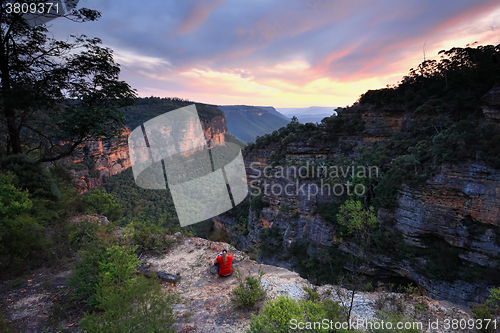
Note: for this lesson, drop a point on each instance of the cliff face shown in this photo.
(101, 158)
(105, 158)
(451, 222)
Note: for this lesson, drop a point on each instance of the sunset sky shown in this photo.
(279, 53)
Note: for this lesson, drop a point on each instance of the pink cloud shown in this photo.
(197, 15)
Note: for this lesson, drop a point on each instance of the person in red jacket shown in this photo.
(225, 263)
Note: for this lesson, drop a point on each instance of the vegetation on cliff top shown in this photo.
(147, 108)
(444, 123)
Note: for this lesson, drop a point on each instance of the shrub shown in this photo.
(355, 218)
(256, 202)
(101, 202)
(19, 230)
(493, 301)
(284, 208)
(394, 319)
(86, 275)
(483, 314)
(249, 291)
(281, 314)
(30, 175)
(130, 303)
(147, 309)
(148, 236)
(116, 279)
(312, 294)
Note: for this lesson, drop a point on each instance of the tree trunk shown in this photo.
(13, 131)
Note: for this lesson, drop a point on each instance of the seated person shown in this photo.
(225, 263)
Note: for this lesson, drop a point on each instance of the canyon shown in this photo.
(449, 222)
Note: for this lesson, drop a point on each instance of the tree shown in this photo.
(55, 95)
(359, 222)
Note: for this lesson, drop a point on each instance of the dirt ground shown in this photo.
(40, 302)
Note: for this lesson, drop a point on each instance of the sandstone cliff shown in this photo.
(450, 223)
(105, 158)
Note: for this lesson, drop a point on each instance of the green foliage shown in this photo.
(116, 279)
(249, 291)
(12, 200)
(32, 220)
(493, 301)
(276, 316)
(279, 316)
(141, 308)
(150, 311)
(57, 95)
(394, 319)
(147, 236)
(32, 176)
(94, 242)
(337, 123)
(312, 294)
(19, 236)
(486, 311)
(484, 315)
(355, 218)
(105, 278)
(256, 202)
(284, 208)
(103, 203)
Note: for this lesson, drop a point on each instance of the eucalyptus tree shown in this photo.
(55, 95)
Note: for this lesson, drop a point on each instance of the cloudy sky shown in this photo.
(282, 53)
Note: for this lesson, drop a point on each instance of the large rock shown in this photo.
(491, 104)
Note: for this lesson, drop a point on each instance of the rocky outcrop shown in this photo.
(206, 304)
(105, 158)
(491, 104)
(99, 159)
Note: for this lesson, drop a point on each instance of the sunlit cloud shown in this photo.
(281, 53)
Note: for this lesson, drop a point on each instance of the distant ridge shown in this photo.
(272, 110)
(247, 122)
(312, 114)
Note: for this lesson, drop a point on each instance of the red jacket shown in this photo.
(227, 268)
